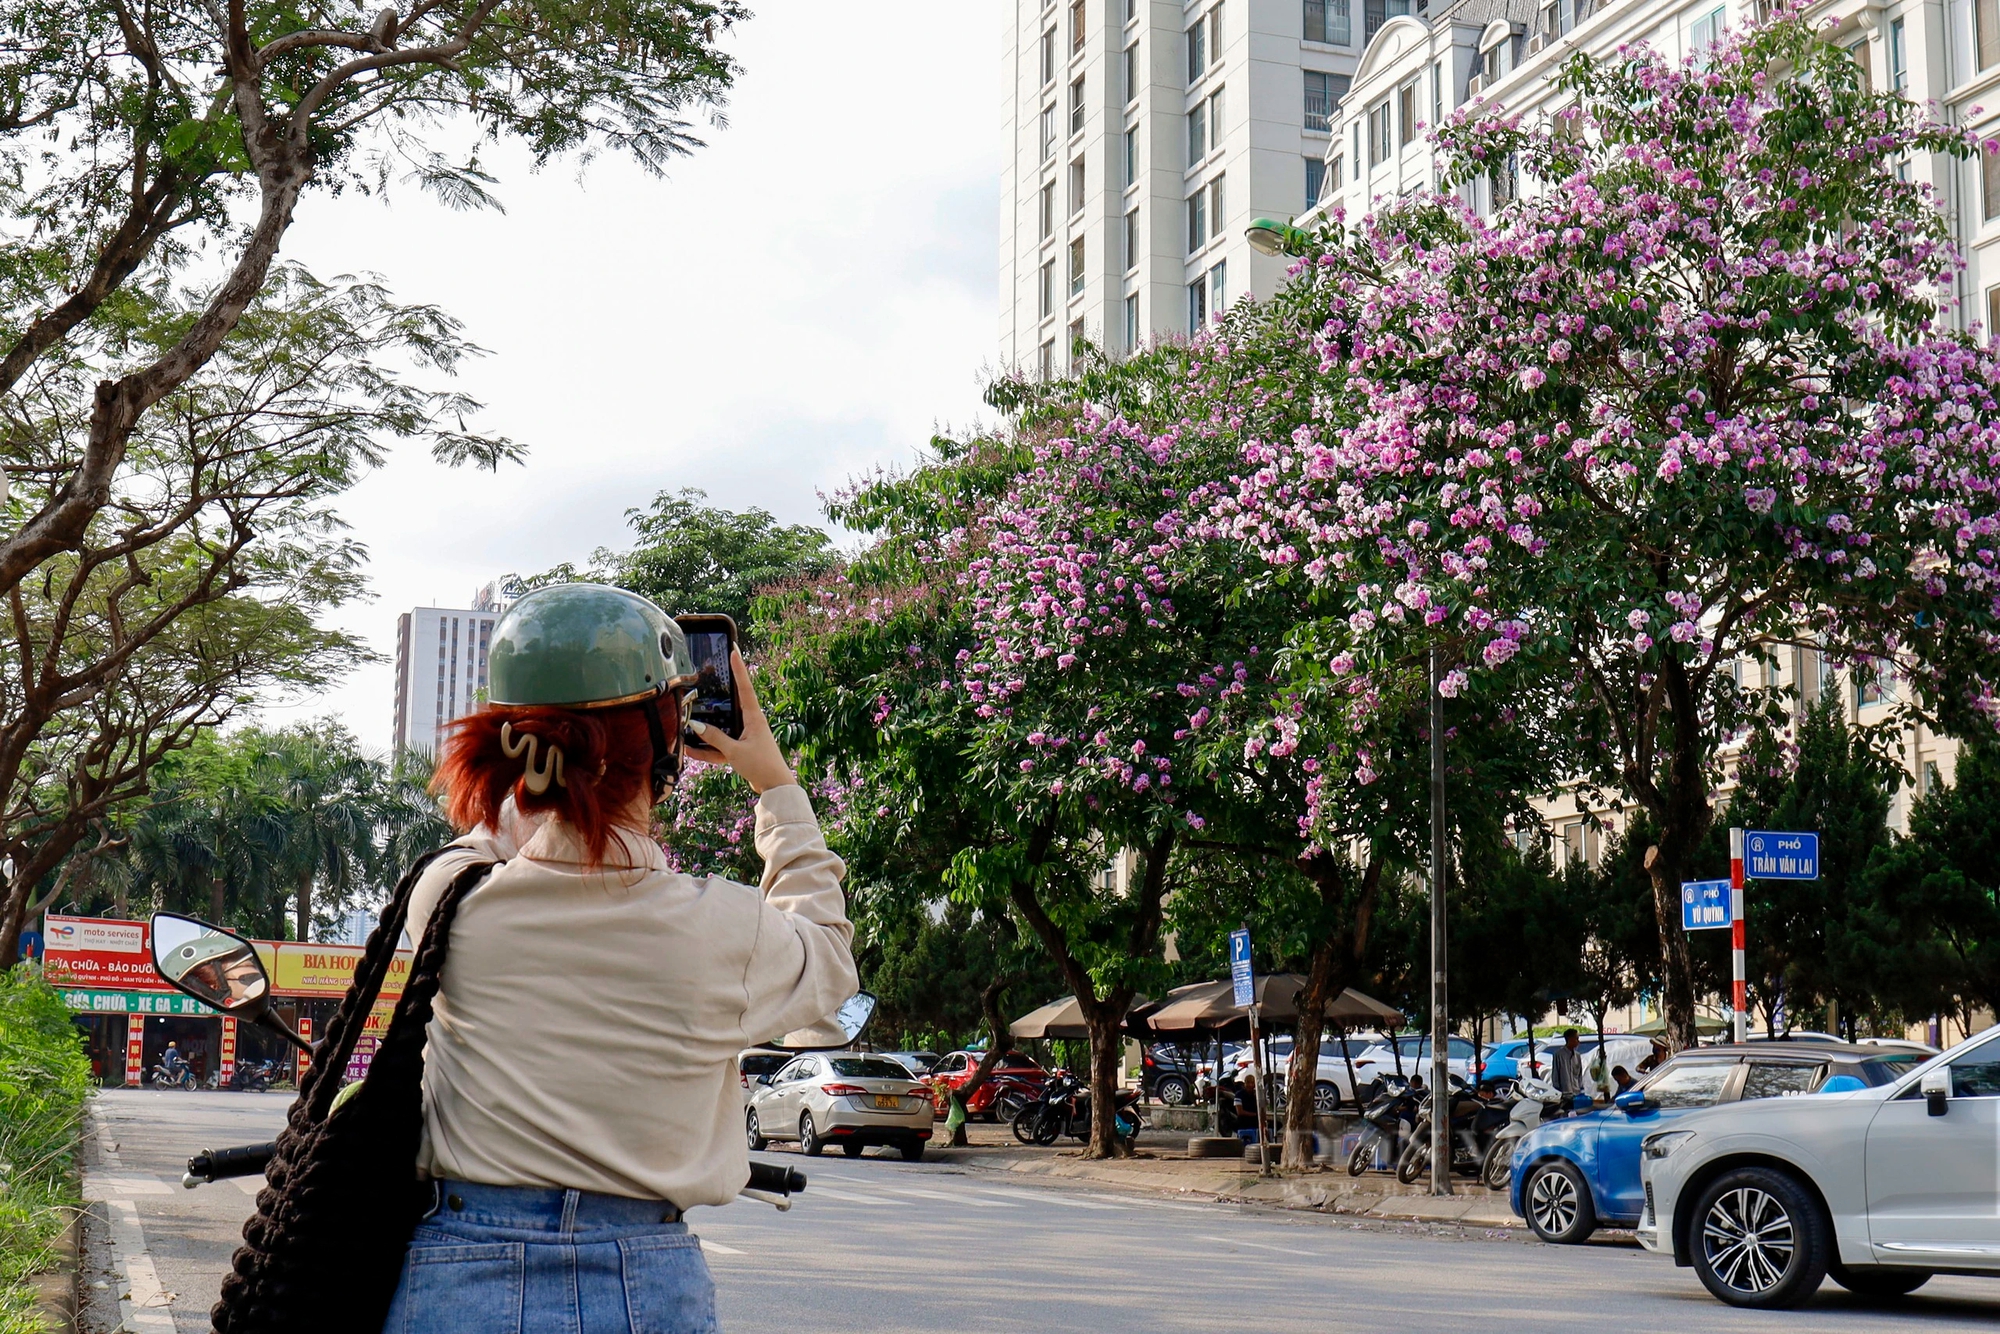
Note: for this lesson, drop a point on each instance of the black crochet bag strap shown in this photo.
(324, 1250)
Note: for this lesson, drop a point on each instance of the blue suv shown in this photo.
(1575, 1175)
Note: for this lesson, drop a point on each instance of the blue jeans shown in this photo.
(518, 1260)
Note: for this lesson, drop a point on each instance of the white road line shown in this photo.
(817, 1191)
(1263, 1246)
(718, 1248)
(249, 1185)
(1054, 1197)
(107, 1185)
(961, 1198)
(143, 1305)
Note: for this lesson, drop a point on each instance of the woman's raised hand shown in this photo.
(755, 754)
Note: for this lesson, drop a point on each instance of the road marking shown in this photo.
(718, 1248)
(960, 1198)
(1264, 1246)
(251, 1186)
(1054, 1197)
(818, 1191)
(143, 1306)
(109, 1185)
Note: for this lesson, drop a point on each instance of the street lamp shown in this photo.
(1268, 236)
(1440, 878)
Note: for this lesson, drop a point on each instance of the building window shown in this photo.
(1197, 304)
(1047, 305)
(1898, 77)
(1076, 267)
(1048, 132)
(1323, 94)
(1215, 35)
(1048, 57)
(1132, 322)
(1706, 31)
(1372, 14)
(1216, 214)
(1197, 220)
(1132, 156)
(1437, 93)
(1406, 113)
(1132, 240)
(1217, 300)
(1130, 62)
(1986, 32)
(1048, 210)
(1197, 52)
(1197, 133)
(1076, 27)
(1316, 179)
(1989, 184)
(1076, 107)
(1992, 313)
(1357, 150)
(1931, 779)
(1580, 843)
(1215, 122)
(1378, 134)
(1048, 366)
(1326, 21)
(1076, 187)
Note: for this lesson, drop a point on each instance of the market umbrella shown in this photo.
(1653, 1028)
(1210, 1007)
(1058, 1019)
(1139, 1019)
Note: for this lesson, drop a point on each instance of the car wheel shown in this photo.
(1173, 1091)
(1876, 1284)
(913, 1152)
(754, 1132)
(1558, 1202)
(810, 1143)
(1326, 1098)
(852, 1148)
(1760, 1240)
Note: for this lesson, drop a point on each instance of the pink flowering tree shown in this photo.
(1695, 397)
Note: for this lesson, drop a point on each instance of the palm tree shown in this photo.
(329, 816)
(412, 823)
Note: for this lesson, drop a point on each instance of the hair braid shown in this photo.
(324, 1251)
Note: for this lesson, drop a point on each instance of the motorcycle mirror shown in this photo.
(840, 1029)
(1632, 1102)
(217, 967)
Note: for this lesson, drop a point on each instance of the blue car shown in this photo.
(1575, 1175)
(1503, 1059)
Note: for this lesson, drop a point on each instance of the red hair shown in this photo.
(607, 765)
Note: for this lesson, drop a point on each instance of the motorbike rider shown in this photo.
(580, 1087)
(171, 1060)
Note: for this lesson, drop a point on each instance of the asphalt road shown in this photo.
(886, 1247)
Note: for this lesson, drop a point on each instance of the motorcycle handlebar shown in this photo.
(247, 1160)
(775, 1180)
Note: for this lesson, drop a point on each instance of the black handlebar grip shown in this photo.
(247, 1160)
(777, 1180)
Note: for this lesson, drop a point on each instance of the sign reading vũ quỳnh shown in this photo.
(1776, 855)
(1239, 967)
(1704, 904)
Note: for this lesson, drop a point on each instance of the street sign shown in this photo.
(1704, 904)
(1776, 855)
(31, 944)
(1239, 967)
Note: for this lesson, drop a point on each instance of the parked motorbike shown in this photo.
(257, 1078)
(1064, 1108)
(1474, 1122)
(1535, 1101)
(1394, 1108)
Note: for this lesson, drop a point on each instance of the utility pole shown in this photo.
(1440, 877)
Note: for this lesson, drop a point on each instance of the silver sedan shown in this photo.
(842, 1098)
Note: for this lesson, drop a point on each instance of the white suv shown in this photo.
(1879, 1187)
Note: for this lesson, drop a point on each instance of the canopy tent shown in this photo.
(1062, 1019)
(1210, 1009)
(1703, 1023)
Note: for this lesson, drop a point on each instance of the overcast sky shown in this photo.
(809, 296)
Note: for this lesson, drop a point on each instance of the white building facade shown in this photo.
(1142, 136)
(441, 658)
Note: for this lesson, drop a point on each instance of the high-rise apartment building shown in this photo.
(440, 670)
(1142, 137)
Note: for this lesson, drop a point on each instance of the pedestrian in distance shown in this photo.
(579, 1083)
(1623, 1079)
(1568, 1066)
(1654, 1058)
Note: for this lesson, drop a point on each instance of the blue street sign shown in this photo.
(1704, 904)
(1775, 855)
(31, 945)
(1239, 967)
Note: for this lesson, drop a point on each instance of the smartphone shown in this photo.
(710, 637)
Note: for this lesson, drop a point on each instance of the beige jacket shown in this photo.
(587, 1023)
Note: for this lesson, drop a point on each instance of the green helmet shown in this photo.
(581, 646)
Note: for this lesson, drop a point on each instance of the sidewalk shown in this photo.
(1162, 1164)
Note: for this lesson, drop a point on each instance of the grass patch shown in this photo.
(44, 1084)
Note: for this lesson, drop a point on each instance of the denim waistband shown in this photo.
(544, 1208)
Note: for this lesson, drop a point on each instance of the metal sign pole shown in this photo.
(1740, 990)
(1440, 877)
(1263, 1097)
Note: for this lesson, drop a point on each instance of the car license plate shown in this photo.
(888, 1102)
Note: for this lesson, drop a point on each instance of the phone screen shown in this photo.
(715, 691)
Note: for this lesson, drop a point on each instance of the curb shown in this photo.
(1477, 1207)
(56, 1292)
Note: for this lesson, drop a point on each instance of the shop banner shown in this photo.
(98, 953)
(324, 970)
(129, 1002)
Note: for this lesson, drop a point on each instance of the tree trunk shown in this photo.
(216, 902)
(1607, 1084)
(997, 1045)
(1336, 960)
(1677, 986)
(305, 906)
(1107, 1039)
